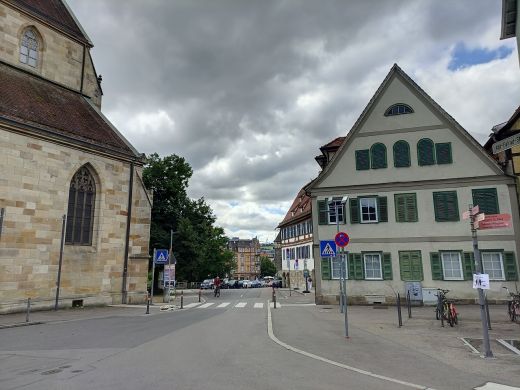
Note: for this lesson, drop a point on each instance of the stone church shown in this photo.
(71, 189)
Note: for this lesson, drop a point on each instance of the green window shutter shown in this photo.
(382, 205)
(486, 199)
(351, 266)
(354, 210)
(325, 269)
(359, 269)
(405, 265)
(446, 206)
(378, 156)
(323, 217)
(425, 152)
(387, 266)
(510, 266)
(405, 207)
(362, 159)
(401, 154)
(443, 153)
(468, 265)
(436, 264)
(416, 261)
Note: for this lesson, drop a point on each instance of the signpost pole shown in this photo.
(338, 257)
(344, 263)
(153, 275)
(478, 268)
(170, 264)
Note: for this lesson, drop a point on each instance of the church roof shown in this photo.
(56, 13)
(50, 109)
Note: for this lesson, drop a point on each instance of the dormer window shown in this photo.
(398, 109)
(29, 48)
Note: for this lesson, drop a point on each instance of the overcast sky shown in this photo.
(247, 91)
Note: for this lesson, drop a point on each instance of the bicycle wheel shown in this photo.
(437, 313)
(454, 315)
(511, 311)
(451, 320)
(514, 309)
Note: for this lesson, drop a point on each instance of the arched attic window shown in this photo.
(80, 214)
(29, 47)
(401, 154)
(378, 156)
(398, 109)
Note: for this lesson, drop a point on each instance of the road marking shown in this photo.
(224, 304)
(190, 305)
(241, 304)
(259, 305)
(341, 365)
(496, 386)
(277, 305)
(206, 305)
(473, 349)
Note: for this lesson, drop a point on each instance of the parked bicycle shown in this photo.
(445, 309)
(513, 305)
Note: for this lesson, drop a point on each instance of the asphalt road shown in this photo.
(203, 347)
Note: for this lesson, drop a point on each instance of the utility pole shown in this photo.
(479, 269)
(170, 254)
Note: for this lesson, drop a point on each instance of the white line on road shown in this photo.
(224, 304)
(337, 364)
(259, 305)
(206, 305)
(277, 305)
(241, 304)
(190, 305)
(495, 386)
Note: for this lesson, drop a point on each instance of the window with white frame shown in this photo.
(452, 266)
(493, 265)
(373, 266)
(336, 266)
(336, 206)
(368, 207)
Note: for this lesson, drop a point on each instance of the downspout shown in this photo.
(127, 238)
(83, 69)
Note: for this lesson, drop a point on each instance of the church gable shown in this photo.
(404, 136)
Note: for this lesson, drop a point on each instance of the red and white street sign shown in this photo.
(495, 221)
(465, 215)
(480, 217)
(475, 210)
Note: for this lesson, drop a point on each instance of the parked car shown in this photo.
(246, 283)
(231, 283)
(207, 284)
(255, 283)
(240, 284)
(276, 283)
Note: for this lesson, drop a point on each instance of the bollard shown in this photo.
(399, 317)
(409, 304)
(148, 303)
(274, 299)
(182, 299)
(28, 309)
(200, 292)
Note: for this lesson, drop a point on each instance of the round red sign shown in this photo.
(342, 239)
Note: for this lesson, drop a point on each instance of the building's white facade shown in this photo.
(409, 174)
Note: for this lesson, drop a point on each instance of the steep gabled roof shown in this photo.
(300, 208)
(396, 71)
(502, 130)
(31, 102)
(56, 13)
(333, 145)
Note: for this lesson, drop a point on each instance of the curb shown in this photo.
(20, 324)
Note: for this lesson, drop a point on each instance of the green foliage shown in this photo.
(267, 267)
(200, 248)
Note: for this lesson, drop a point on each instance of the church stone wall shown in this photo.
(60, 58)
(35, 177)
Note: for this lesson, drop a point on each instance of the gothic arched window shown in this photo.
(29, 48)
(80, 214)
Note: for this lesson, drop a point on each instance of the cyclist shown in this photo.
(216, 284)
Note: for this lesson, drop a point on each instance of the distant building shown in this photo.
(267, 250)
(59, 155)
(247, 257)
(278, 253)
(296, 242)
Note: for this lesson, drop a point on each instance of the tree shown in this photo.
(200, 247)
(267, 267)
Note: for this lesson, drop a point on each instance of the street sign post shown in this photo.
(507, 143)
(327, 248)
(495, 221)
(342, 239)
(481, 281)
(160, 256)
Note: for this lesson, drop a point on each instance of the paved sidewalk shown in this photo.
(419, 352)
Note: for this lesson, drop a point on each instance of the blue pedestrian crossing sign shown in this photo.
(328, 248)
(161, 256)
